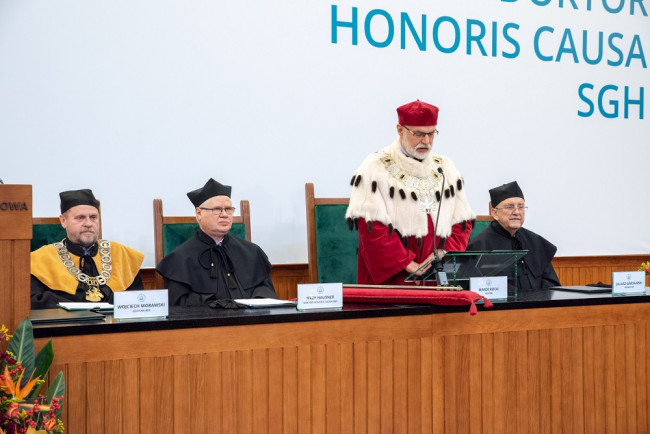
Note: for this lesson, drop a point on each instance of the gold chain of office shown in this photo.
(425, 185)
(92, 282)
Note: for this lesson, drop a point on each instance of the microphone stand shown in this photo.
(441, 275)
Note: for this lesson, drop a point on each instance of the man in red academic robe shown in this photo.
(397, 196)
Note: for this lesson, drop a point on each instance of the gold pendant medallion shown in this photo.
(93, 293)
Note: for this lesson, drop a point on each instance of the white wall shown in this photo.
(141, 99)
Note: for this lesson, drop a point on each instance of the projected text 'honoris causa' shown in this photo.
(415, 30)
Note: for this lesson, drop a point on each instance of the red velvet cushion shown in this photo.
(412, 296)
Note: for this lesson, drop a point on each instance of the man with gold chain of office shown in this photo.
(81, 268)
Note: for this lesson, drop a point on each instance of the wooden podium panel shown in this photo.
(15, 212)
(15, 237)
(576, 369)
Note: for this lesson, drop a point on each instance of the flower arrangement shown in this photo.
(645, 266)
(22, 409)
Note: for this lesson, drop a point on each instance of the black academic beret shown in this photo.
(77, 197)
(210, 189)
(506, 191)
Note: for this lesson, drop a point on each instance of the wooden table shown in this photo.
(550, 361)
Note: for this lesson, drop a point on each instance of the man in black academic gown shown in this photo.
(508, 210)
(214, 267)
(81, 268)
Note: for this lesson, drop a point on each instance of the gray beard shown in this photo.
(411, 151)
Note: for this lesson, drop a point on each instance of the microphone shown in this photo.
(441, 275)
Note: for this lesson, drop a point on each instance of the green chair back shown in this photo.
(336, 245)
(44, 234)
(480, 224)
(332, 247)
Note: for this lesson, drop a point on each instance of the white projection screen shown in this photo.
(145, 99)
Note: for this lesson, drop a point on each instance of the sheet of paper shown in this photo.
(86, 306)
(264, 302)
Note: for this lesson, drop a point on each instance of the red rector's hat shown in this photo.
(417, 113)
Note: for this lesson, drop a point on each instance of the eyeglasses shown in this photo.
(420, 134)
(511, 208)
(230, 210)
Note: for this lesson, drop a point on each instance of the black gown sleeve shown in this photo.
(181, 294)
(265, 290)
(43, 297)
(549, 277)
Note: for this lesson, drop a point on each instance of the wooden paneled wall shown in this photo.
(573, 370)
(581, 270)
(572, 270)
(554, 370)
